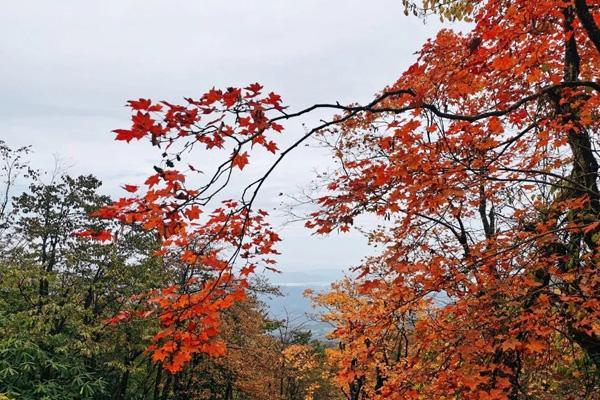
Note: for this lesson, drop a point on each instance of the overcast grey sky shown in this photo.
(68, 66)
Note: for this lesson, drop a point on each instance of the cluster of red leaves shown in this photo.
(216, 249)
(103, 235)
(204, 120)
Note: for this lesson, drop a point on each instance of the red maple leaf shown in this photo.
(240, 160)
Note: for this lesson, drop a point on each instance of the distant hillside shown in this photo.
(293, 305)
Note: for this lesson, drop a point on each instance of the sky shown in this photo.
(69, 66)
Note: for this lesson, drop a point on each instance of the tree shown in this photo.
(367, 351)
(14, 165)
(57, 290)
(481, 162)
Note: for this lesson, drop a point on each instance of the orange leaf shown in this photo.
(240, 160)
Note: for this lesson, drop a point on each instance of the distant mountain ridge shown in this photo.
(296, 308)
(293, 305)
(308, 277)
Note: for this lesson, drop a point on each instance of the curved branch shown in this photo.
(442, 114)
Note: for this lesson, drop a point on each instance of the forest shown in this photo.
(479, 166)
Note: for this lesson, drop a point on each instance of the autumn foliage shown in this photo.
(480, 161)
(208, 242)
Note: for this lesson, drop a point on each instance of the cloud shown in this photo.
(69, 66)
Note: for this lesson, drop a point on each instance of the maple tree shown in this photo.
(480, 161)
